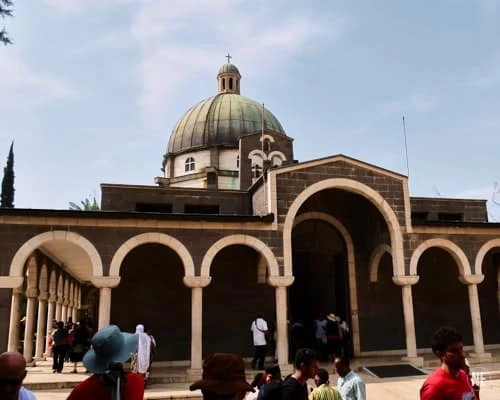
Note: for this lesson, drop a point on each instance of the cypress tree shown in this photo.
(7, 197)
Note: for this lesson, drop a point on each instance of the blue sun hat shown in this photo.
(109, 345)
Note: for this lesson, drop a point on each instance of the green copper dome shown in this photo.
(220, 121)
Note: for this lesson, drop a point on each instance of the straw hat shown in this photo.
(331, 317)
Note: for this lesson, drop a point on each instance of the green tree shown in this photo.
(6, 10)
(87, 204)
(7, 196)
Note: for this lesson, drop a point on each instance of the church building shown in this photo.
(235, 226)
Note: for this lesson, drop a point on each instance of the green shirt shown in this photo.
(325, 392)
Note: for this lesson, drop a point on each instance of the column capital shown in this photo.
(471, 279)
(280, 281)
(197, 281)
(105, 281)
(52, 298)
(11, 282)
(43, 296)
(31, 292)
(405, 280)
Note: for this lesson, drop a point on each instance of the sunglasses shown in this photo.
(11, 382)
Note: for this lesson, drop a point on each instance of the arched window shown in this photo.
(277, 161)
(256, 171)
(189, 164)
(223, 84)
(230, 83)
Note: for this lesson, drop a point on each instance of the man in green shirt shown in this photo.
(323, 390)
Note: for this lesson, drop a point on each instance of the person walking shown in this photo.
(59, 348)
(350, 385)
(259, 329)
(323, 389)
(306, 367)
(80, 344)
(143, 351)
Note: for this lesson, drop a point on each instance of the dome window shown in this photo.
(189, 164)
(230, 83)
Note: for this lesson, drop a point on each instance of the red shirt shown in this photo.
(440, 385)
(93, 388)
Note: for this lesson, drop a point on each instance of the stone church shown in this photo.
(235, 226)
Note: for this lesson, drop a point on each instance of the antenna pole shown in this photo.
(406, 148)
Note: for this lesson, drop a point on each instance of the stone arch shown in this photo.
(478, 264)
(351, 266)
(152, 237)
(355, 187)
(246, 240)
(17, 263)
(445, 244)
(375, 258)
(257, 152)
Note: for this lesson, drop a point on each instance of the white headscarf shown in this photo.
(143, 350)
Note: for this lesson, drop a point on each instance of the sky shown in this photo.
(91, 89)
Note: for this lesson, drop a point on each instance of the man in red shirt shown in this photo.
(110, 348)
(449, 381)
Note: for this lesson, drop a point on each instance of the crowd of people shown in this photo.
(224, 373)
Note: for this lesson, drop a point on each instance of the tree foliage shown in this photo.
(6, 10)
(7, 196)
(87, 204)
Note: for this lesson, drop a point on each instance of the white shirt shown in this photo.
(259, 325)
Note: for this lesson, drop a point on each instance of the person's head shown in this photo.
(258, 380)
(223, 378)
(139, 329)
(273, 373)
(109, 346)
(448, 346)
(342, 366)
(12, 373)
(307, 362)
(321, 377)
(60, 325)
(260, 315)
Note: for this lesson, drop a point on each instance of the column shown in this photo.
(59, 309)
(51, 313)
(196, 283)
(41, 329)
(281, 283)
(30, 324)
(406, 283)
(475, 313)
(104, 307)
(64, 313)
(15, 317)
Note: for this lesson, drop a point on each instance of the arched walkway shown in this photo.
(355, 187)
(246, 240)
(445, 244)
(17, 264)
(152, 237)
(490, 244)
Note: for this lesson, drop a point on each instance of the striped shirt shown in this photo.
(325, 392)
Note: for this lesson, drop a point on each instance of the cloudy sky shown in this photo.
(91, 89)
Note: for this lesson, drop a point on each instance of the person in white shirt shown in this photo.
(12, 373)
(350, 385)
(260, 330)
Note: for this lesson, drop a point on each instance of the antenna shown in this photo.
(406, 148)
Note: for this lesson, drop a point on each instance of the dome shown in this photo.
(220, 121)
(228, 68)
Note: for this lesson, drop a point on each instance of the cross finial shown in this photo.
(228, 58)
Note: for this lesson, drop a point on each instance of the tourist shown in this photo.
(332, 336)
(12, 374)
(223, 378)
(110, 348)
(143, 351)
(323, 389)
(79, 344)
(256, 384)
(449, 380)
(306, 367)
(272, 389)
(259, 329)
(350, 384)
(59, 347)
(320, 334)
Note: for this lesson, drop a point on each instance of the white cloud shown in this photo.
(23, 87)
(71, 7)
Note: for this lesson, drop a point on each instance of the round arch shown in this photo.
(375, 258)
(246, 240)
(351, 266)
(445, 244)
(17, 263)
(355, 187)
(152, 237)
(478, 264)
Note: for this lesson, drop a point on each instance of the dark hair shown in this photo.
(343, 360)
(305, 356)
(258, 380)
(323, 375)
(443, 337)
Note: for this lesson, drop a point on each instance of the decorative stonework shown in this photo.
(405, 280)
(471, 279)
(280, 281)
(105, 281)
(197, 281)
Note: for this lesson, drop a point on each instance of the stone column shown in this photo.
(31, 294)
(15, 318)
(60, 294)
(41, 328)
(281, 283)
(51, 312)
(406, 282)
(475, 313)
(196, 283)
(64, 316)
(104, 283)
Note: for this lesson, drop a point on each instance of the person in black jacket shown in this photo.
(306, 367)
(272, 389)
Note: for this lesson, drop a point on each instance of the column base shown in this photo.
(416, 361)
(194, 373)
(479, 357)
(42, 358)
